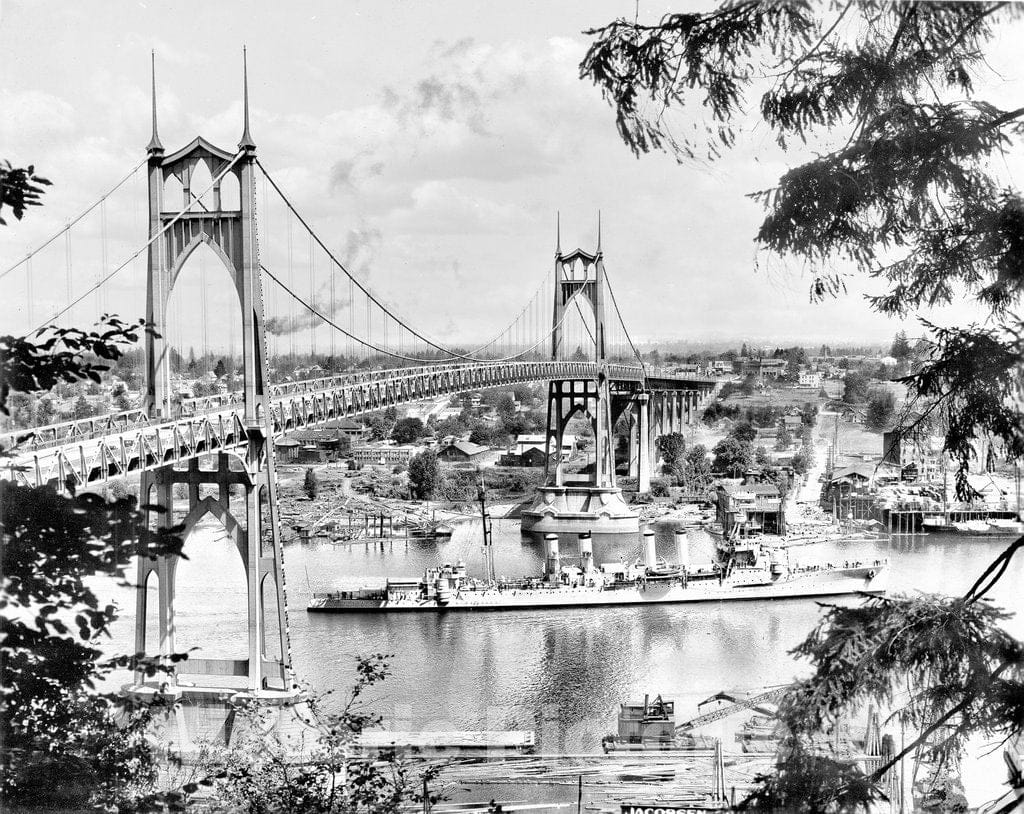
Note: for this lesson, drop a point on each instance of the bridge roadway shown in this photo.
(96, 449)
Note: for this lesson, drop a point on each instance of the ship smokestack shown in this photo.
(552, 559)
(650, 549)
(586, 552)
(683, 547)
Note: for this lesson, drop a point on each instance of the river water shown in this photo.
(562, 673)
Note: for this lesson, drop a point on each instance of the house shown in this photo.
(355, 431)
(765, 368)
(387, 455)
(792, 422)
(533, 456)
(766, 436)
(856, 477)
(750, 508)
(462, 452)
(540, 442)
(809, 378)
(319, 444)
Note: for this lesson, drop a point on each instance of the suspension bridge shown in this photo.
(291, 292)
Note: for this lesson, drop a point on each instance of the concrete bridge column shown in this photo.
(634, 443)
(644, 446)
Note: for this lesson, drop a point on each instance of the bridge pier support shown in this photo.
(206, 706)
(644, 446)
(573, 503)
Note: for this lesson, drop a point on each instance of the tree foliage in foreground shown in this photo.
(63, 742)
(944, 664)
(261, 773)
(902, 181)
(20, 188)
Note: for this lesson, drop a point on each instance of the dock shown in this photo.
(440, 743)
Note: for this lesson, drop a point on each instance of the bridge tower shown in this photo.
(592, 502)
(244, 485)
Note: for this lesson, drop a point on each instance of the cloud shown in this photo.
(35, 117)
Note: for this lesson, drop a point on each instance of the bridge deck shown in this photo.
(111, 446)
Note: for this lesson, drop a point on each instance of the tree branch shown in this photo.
(920, 739)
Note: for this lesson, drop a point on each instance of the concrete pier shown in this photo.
(575, 509)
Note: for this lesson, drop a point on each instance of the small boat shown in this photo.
(430, 531)
(992, 527)
(988, 528)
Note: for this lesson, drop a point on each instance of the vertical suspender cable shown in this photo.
(67, 268)
(271, 297)
(334, 308)
(291, 306)
(312, 300)
(101, 293)
(28, 288)
(202, 303)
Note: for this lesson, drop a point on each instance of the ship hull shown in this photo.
(810, 584)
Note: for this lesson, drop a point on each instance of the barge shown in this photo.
(747, 568)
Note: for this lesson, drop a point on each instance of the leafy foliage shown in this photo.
(944, 663)
(974, 381)
(672, 448)
(695, 475)
(54, 723)
(424, 474)
(644, 70)
(733, 455)
(311, 484)
(808, 783)
(881, 409)
(408, 430)
(20, 188)
(262, 774)
(855, 387)
(53, 355)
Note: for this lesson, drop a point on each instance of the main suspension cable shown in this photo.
(384, 351)
(72, 222)
(369, 294)
(349, 274)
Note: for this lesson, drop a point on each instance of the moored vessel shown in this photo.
(747, 568)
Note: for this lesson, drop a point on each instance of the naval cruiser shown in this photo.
(743, 568)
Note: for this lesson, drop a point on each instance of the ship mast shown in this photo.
(481, 494)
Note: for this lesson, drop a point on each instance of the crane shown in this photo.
(770, 694)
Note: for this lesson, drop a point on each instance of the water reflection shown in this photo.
(562, 672)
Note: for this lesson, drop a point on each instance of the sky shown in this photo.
(431, 144)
